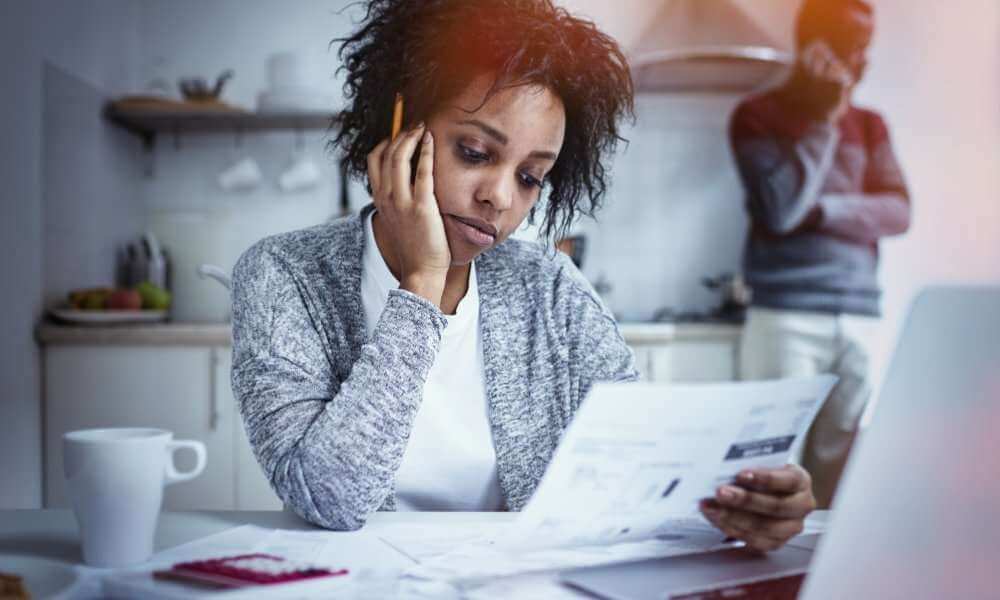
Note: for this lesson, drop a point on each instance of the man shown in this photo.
(822, 188)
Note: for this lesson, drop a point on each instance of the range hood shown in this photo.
(713, 46)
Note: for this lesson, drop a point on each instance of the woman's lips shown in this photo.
(473, 232)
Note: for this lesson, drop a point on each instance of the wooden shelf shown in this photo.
(148, 122)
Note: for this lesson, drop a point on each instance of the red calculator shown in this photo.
(245, 570)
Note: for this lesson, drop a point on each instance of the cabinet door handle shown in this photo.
(213, 417)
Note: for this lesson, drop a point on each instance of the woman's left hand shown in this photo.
(765, 507)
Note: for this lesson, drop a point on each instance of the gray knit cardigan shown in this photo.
(328, 408)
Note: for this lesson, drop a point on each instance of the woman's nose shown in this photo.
(496, 192)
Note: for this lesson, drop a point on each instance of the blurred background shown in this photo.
(91, 188)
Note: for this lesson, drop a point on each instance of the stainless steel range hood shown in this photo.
(711, 46)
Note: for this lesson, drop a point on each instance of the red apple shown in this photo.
(124, 300)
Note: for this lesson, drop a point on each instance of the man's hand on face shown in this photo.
(820, 62)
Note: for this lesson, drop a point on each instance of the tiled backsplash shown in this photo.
(675, 211)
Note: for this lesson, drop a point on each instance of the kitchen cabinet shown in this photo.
(253, 490)
(181, 388)
(684, 353)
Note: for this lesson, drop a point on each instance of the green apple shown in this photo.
(153, 296)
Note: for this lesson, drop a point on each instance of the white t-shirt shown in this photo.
(450, 463)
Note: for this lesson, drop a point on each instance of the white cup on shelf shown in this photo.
(115, 479)
(242, 175)
(301, 174)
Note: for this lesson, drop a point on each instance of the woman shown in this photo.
(413, 356)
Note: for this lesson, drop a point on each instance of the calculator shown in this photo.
(245, 570)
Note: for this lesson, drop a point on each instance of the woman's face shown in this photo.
(489, 164)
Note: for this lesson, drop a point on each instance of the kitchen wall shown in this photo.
(675, 211)
(935, 74)
(91, 174)
(95, 41)
(20, 259)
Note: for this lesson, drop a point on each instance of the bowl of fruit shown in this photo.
(145, 303)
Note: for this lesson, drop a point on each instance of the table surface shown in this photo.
(52, 533)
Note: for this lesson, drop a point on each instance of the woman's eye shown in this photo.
(529, 181)
(471, 155)
(474, 157)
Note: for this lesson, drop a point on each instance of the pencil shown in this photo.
(397, 116)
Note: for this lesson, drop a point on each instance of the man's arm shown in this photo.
(883, 209)
(782, 177)
(864, 218)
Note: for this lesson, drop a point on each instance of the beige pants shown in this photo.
(783, 343)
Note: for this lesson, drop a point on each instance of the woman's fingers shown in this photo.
(759, 532)
(424, 184)
(789, 479)
(402, 152)
(792, 506)
(781, 493)
(375, 167)
(748, 525)
(387, 165)
(764, 508)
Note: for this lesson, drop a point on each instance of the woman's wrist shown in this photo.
(426, 286)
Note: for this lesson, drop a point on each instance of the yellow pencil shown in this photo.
(397, 116)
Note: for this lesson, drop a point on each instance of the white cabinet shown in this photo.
(122, 386)
(684, 353)
(185, 389)
(253, 491)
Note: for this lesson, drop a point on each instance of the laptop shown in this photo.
(918, 511)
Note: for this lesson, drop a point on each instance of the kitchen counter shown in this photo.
(147, 334)
(219, 334)
(659, 333)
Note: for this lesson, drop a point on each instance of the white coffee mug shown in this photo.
(301, 174)
(242, 175)
(115, 479)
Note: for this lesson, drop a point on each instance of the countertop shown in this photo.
(220, 334)
(147, 334)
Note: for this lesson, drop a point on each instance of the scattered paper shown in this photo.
(231, 542)
(360, 552)
(481, 560)
(421, 542)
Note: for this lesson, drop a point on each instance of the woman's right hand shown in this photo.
(410, 213)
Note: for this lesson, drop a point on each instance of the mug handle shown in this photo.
(173, 475)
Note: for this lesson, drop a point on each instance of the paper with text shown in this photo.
(639, 456)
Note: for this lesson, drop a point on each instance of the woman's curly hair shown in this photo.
(431, 49)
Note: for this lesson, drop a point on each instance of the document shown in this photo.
(628, 475)
(638, 458)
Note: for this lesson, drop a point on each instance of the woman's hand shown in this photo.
(410, 213)
(765, 509)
